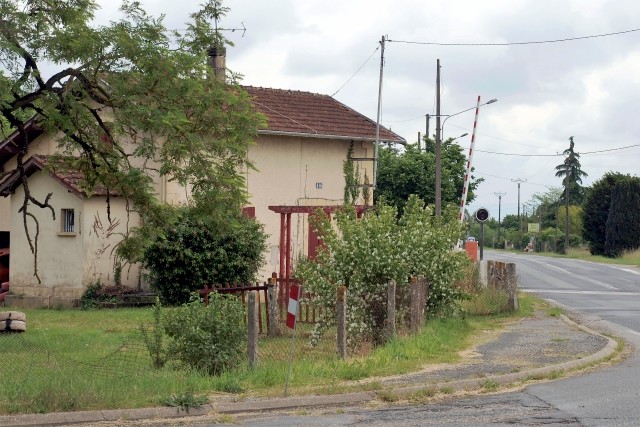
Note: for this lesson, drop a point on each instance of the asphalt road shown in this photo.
(605, 297)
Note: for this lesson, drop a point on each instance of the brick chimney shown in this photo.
(218, 61)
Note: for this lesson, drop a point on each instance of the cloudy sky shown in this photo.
(547, 92)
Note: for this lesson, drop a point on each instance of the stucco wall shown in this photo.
(100, 239)
(60, 257)
(301, 172)
(68, 263)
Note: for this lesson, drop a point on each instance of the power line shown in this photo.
(558, 154)
(568, 39)
(357, 71)
(510, 179)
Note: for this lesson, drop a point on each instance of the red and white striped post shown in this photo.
(292, 308)
(295, 291)
(463, 199)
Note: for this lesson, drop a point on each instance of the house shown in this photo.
(299, 160)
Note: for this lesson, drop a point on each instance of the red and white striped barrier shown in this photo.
(463, 199)
(292, 309)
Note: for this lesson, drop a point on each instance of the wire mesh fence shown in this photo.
(66, 362)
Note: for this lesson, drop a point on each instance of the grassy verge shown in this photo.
(73, 360)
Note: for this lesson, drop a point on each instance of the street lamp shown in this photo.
(439, 132)
(448, 116)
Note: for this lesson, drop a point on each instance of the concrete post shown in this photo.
(252, 326)
(272, 313)
(512, 286)
(491, 273)
(390, 319)
(342, 321)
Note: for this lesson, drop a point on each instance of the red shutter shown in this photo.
(249, 211)
(314, 242)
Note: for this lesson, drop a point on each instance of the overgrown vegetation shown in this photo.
(365, 254)
(97, 293)
(193, 252)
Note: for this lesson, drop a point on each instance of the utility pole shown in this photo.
(499, 194)
(427, 126)
(377, 144)
(519, 181)
(438, 206)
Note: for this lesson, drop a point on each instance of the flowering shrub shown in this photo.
(365, 254)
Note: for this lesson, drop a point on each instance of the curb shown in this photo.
(266, 405)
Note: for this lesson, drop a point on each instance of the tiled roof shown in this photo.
(9, 146)
(70, 179)
(296, 112)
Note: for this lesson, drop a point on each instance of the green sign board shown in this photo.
(533, 227)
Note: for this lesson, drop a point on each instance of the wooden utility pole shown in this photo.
(499, 194)
(438, 145)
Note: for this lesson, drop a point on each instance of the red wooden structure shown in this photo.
(284, 276)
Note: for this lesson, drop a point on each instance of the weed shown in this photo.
(555, 374)
(446, 390)
(555, 311)
(423, 394)
(490, 385)
(154, 338)
(184, 401)
(387, 396)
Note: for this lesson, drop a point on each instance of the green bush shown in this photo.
(209, 338)
(193, 253)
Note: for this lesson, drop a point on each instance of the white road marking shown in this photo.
(568, 291)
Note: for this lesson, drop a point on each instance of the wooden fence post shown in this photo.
(390, 320)
(252, 326)
(424, 295)
(274, 319)
(416, 318)
(342, 321)
(512, 286)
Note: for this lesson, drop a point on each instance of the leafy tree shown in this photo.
(596, 211)
(194, 252)
(132, 101)
(571, 174)
(623, 222)
(510, 222)
(546, 206)
(575, 220)
(410, 170)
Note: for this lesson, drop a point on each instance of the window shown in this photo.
(67, 217)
